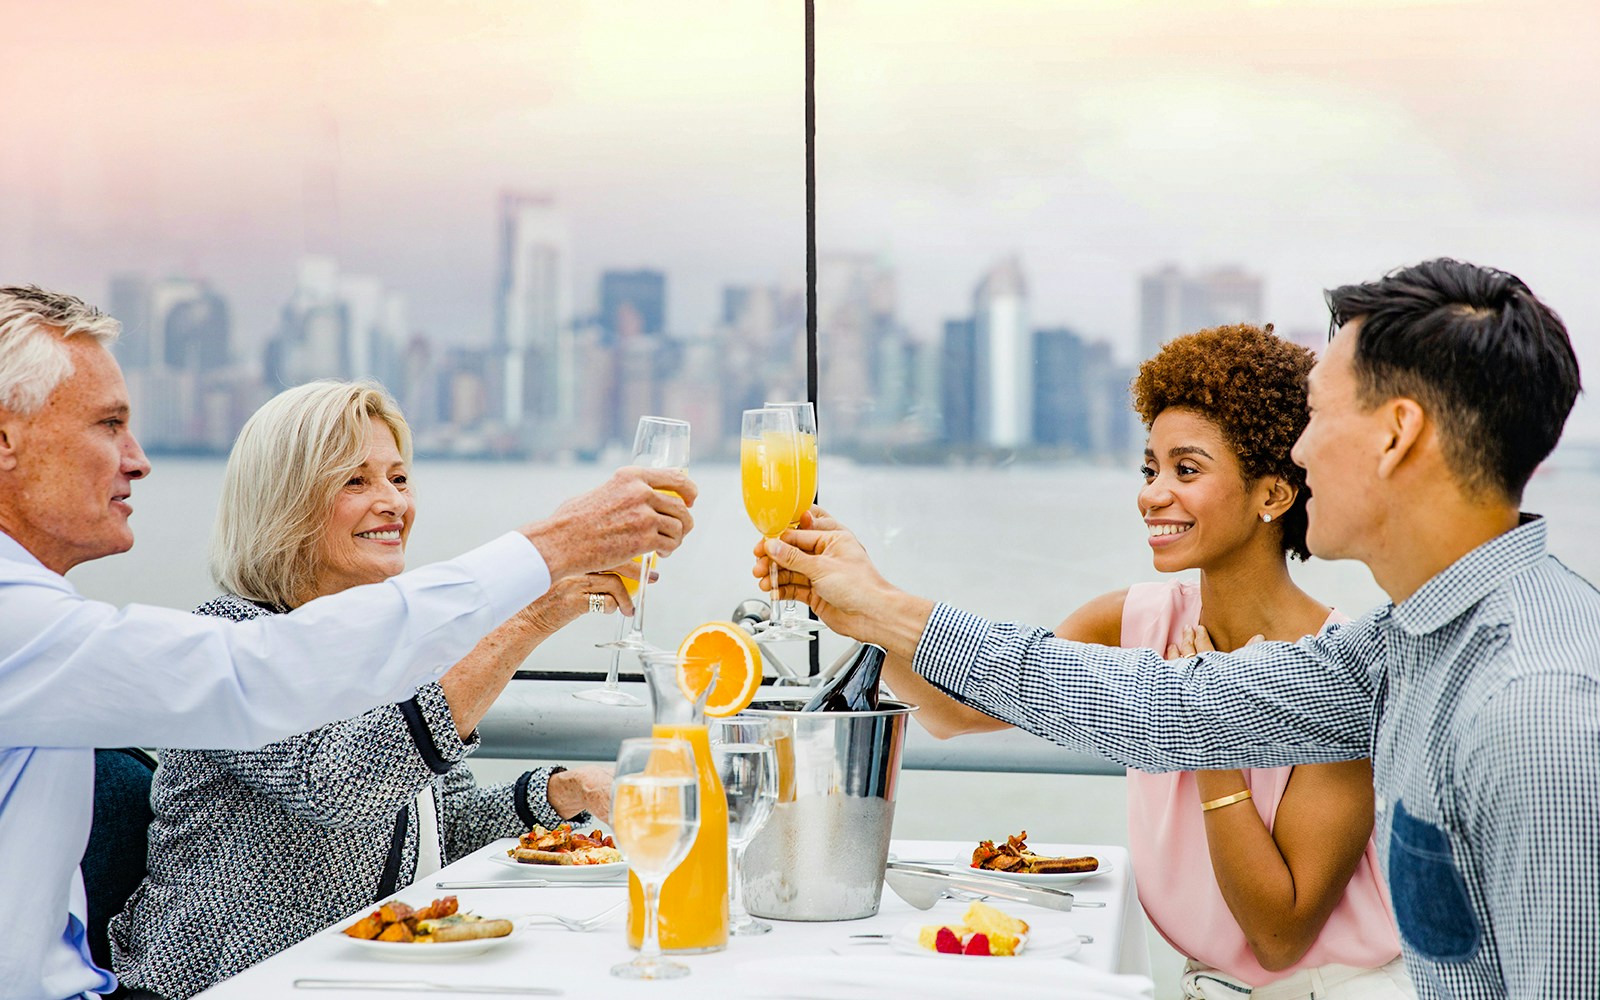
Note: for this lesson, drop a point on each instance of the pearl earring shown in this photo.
(1266, 518)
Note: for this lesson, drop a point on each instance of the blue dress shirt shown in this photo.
(1477, 698)
(76, 674)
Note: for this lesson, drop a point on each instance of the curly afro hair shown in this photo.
(1252, 385)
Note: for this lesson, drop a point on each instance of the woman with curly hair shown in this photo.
(1267, 879)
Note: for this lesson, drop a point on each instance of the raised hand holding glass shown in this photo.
(658, 443)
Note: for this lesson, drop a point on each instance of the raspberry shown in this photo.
(946, 942)
(978, 944)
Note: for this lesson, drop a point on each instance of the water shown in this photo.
(1025, 543)
(656, 822)
(748, 772)
(1021, 542)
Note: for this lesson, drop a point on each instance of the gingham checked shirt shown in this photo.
(1478, 700)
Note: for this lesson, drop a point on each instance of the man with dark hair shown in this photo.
(1476, 691)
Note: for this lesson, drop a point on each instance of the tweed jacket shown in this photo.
(251, 851)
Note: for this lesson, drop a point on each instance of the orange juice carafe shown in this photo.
(694, 898)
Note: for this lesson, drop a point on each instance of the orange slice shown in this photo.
(736, 659)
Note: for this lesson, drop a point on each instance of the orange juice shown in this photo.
(648, 817)
(783, 750)
(694, 898)
(808, 476)
(768, 470)
(632, 585)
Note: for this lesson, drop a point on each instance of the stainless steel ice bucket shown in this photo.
(822, 854)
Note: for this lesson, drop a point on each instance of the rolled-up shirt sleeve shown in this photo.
(1268, 705)
(76, 672)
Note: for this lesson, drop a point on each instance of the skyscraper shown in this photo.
(533, 313)
(643, 293)
(1062, 397)
(337, 325)
(1172, 303)
(1003, 389)
(188, 326)
(130, 304)
(855, 316)
(957, 365)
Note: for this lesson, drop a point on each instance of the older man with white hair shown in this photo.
(75, 673)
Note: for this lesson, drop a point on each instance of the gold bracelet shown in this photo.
(1226, 800)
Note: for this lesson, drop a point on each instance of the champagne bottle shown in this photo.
(855, 687)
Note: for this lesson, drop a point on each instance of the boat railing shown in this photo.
(536, 718)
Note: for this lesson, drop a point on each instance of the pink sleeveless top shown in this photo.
(1167, 839)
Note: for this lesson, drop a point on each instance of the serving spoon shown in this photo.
(923, 886)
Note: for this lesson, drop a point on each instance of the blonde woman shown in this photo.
(252, 851)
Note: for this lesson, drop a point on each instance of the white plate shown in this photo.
(1051, 942)
(557, 873)
(408, 952)
(1053, 879)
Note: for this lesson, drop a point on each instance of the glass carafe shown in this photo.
(694, 898)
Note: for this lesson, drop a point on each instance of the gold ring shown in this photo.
(597, 604)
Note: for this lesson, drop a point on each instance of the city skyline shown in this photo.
(1311, 141)
(1002, 387)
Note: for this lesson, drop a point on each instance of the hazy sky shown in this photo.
(1312, 141)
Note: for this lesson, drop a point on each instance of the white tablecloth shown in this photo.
(798, 960)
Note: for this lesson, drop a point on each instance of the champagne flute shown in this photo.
(659, 443)
(769, 468)
(742, 749)
(790, 624)
(655, 816)
(611, 692)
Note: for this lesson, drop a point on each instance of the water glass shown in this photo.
(655, 815)
(742, 748)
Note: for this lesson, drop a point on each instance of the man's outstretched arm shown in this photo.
(81, 673)
(1270, 705)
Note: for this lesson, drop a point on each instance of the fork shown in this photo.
(886, 938)
(575, 923)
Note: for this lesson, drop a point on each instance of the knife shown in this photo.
(922, 886)
(528, 883)
(420, 986)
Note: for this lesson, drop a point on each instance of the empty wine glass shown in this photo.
(658, 443)
(655, 816)
(742, 750)
(791, 624)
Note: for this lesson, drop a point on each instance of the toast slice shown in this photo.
(586, 856)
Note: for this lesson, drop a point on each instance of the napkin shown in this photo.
(871, 977)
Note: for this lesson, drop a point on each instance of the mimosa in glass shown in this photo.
(769, 468)
(658, 443)
(791, 624)
(611, 693)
